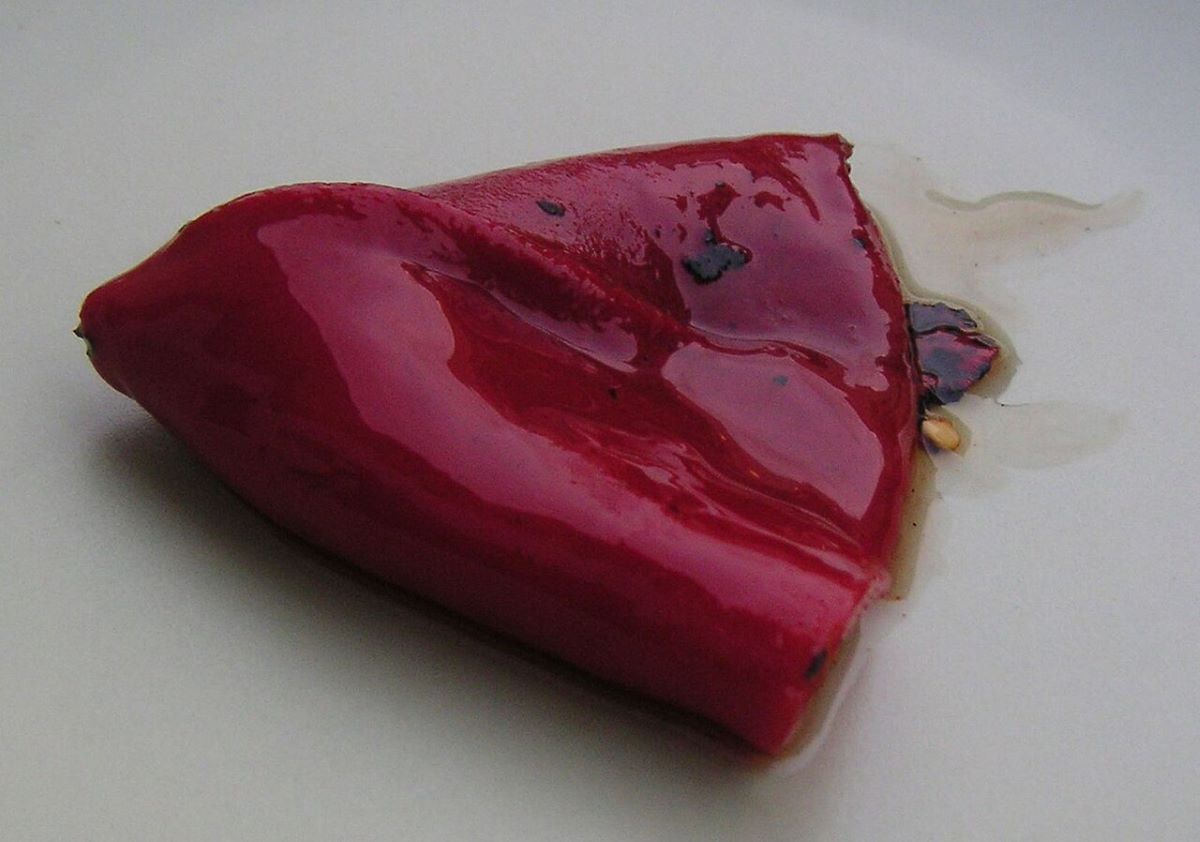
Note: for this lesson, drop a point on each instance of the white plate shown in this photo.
(170, 669)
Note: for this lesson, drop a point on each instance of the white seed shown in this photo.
(940, 432)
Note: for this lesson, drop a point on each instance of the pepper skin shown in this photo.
(652, 411)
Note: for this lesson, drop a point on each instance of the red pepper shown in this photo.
(652, 411)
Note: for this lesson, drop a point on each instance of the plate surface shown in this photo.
(172, 668)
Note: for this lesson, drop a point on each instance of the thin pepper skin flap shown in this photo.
(526, 397)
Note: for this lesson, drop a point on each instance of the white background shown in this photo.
(171, 669)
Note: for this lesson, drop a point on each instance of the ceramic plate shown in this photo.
(172, 667)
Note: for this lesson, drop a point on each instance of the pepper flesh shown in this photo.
(652, 411)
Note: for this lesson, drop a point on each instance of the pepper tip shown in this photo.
(87, 343)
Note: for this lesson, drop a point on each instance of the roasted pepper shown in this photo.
(652, 411)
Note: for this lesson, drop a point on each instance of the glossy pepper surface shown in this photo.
(652, 411)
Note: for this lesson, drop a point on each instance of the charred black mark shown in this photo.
(814, 666)
(952, 353)
(952, 362)
(552, 208)
(924, 317)
(714, 260)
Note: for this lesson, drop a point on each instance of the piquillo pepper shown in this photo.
(652, 411)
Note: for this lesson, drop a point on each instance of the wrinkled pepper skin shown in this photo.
(652, 411)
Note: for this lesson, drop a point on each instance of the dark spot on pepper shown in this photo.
(612, 392)
(952, 362)
(924, 317)
(861, 241)
(714, 260)
(552, 208)
(780, 380)
(814, 666)
(952, 353)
